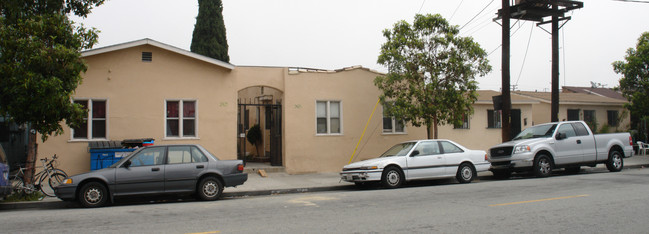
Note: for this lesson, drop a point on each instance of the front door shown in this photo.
(144, 175)
(425, 161)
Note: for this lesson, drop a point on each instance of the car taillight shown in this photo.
(630, 141)
(240, 167)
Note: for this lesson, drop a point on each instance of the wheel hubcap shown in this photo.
(393, 178)
(467, 173)
(617, 161)
(210, 189)
(544, 166)
(93, 195)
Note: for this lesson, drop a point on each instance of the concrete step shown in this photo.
(253, 168)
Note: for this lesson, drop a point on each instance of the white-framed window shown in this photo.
(181, 118)
(329, 117)
(94, 124)
(392, 124)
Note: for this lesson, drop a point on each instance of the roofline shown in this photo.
(151, 42)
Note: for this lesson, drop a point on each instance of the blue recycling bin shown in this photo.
(102, 158)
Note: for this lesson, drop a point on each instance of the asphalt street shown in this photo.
(594, 201)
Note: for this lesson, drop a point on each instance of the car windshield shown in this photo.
(399, 150)
(540, 131)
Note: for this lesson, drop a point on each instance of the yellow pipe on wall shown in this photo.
(365, 129)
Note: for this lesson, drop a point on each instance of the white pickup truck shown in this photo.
(568, 145)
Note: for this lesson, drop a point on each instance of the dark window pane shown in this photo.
(573, 114)
(99, 129)
(172, 109)
(98, 109)
(612, 118)
(172, 127)
(189, 128)
(490, 119)
(82, 131)
(322, 125)
(189, 109)
(387, 124)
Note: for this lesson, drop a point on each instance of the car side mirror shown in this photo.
(414, 153)
(127, 164)
(561, 136)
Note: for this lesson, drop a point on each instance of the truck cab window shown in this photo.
(568, 130)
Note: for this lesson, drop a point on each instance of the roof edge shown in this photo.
(147, 41)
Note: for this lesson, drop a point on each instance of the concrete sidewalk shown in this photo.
(278, 183)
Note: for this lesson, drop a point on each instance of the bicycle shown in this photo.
(53, 175)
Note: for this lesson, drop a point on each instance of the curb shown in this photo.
(287, 191)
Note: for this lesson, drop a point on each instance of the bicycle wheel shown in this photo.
(52, 182)
(56, 170)
(17, 185)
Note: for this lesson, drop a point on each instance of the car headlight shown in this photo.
(369, 168)
(522, 149)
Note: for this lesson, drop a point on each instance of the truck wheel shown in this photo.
(392, 177)
(615, 161)
(542, 166)
(465, 173)
(502, 174)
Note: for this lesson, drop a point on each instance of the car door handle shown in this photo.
(155, 169)
(578, 141)
(200, 166)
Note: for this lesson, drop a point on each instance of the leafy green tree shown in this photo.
(635, 79)
(431, 72)
(209, 32)
(40, 64)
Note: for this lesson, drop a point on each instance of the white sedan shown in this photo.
(417, 160)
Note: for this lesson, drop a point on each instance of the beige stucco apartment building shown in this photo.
(312, 120)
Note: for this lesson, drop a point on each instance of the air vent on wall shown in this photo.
(147, 56)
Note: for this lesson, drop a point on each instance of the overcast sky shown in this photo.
(334, 34)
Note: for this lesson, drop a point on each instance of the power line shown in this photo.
(477, 14)
(636, 1)
(422, 6)
(458, 7)
(525, 57)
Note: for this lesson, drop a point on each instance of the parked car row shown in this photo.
(538, 149)
(191, 169)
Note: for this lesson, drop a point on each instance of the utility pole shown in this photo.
(555, 62)
(537, 10)
(506, 95)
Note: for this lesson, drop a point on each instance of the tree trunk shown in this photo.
(435, 123)
(32, 149)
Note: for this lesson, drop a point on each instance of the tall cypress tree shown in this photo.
(209, 32)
